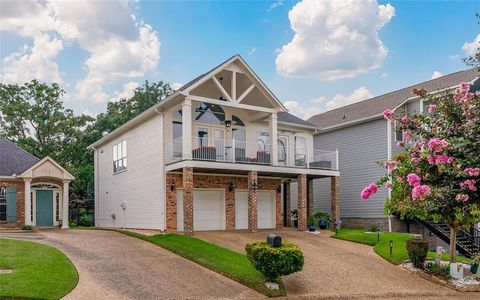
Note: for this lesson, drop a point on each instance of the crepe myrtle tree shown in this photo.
(438, 175)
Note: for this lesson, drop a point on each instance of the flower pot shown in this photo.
(312, 228)
(322, 224)
(474, 268)
(295, 223)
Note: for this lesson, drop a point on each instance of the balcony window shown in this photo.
(120, 156)
(300, 150)
(209, 113)
(262, 141)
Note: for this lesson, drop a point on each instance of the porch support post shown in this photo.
(187, 129)
(188, 200)
(252, 201)
(288, 204)
(302, 202)
(335, 197)
(28, 201)
(309, 197)
(65, 201)
(272, 122)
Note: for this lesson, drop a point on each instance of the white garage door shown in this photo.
(208, 210)
(265, 209)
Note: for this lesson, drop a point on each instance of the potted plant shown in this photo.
(323, 219)
(294, 214)
(475, 263)
(311, 223)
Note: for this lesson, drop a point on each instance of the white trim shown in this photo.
(217, 83)
(249, 167)
(228, 104)
(290, 125)
(389, 156)
(245, 94)
(66, 174)
(234, 86)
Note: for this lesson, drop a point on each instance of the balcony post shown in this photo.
(272, 122)
(336, 160)
(187, 129)
(233, 151)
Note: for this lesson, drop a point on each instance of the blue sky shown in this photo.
(98, 51)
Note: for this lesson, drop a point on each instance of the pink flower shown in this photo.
(370, 190)
(431, 107)
(439, 159)
(404, 120)
(462, 197)
(388, 185)
(406, 134)
(419, 192)
(437, 145)
(388, 114)
(413, 179)
(391, 165)
(400, 144)
(469, 184)
(474, 172)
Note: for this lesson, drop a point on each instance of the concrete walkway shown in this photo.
(114, 266)
(336, 269)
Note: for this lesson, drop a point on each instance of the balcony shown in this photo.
(240, 152)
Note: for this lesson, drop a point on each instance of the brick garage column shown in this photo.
(335, 197)
(309, 197)
(302, 202)
(188, 200)
(252, 202)
(288, 204)
(230, 205)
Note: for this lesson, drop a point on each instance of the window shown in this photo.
(237, 122)
(3, 204)
(120, 157)
(57, 206)
(209, 113)
(398, 134)
(202, 136)
(262, 141)
(300, 150)
(177, 130)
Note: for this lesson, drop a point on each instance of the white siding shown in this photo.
(359, 147)
(141, 186)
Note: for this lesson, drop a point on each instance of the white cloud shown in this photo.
(120, 46)
(89, 113)
(362, 93)
(384, 75)
(472, 47)
(252, 51)
(128, 91)
(334, 39)
(454, 56)
(275, 5)
(357, 95)
(436, 74)
(177, 85)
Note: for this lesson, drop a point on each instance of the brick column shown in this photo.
(230, 206)
(188, 200)
(335, 197)
(252, 202)
(302, 202)
(288, 204)
(310, 197)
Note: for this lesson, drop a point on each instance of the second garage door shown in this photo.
(265, 209)
(208, 210)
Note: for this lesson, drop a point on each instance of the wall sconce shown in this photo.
(279, 189)
(253, 185)
(232, 186)
(228, 124)
(172, 184)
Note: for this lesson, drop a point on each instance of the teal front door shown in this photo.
(44, 208)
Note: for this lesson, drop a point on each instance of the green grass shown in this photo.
(382, 248)
(221, 260)
(39, 271)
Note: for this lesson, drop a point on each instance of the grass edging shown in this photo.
(228, 263)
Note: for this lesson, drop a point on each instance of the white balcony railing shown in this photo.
(231, 151)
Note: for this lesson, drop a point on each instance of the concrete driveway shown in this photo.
(114, 266)
(341, 270)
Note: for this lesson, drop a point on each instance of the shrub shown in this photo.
(294, 214)
(27, 227)
(311, 220)
(86, 220)
(275, 262)
(322, 216)
(417, 251)
(373, 228)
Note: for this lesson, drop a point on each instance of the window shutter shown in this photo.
(11, 204)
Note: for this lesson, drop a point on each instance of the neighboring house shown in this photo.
(32, 191)
(363, 137)
(217, 154)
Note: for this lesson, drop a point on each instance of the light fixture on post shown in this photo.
(253, 185)
(228, 125)
(172, 184)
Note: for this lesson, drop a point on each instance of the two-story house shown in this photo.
(364, 137)
(217, 154)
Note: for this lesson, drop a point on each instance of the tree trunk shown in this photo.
(453, 244)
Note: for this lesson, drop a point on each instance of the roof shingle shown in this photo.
(13, 159)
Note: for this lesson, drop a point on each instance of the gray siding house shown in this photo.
(363, 137)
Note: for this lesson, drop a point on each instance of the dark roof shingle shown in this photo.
(13, 159)
(289, 118)
(376, 105)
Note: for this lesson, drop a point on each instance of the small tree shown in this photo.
(437, 178)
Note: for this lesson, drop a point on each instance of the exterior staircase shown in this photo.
(468, 241)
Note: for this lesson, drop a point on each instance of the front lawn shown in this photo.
(39, 271)
(224, 261)
(382, 248)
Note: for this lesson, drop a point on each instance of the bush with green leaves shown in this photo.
(373, 228)
(275, 262)
(27, 227)
(311, 220)
(417, 251)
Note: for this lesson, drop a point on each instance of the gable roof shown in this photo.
(65, 175)
(13, 159)
(375, 106)
(285, 117)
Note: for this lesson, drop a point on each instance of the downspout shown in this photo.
(96, 184)
(389, 157)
